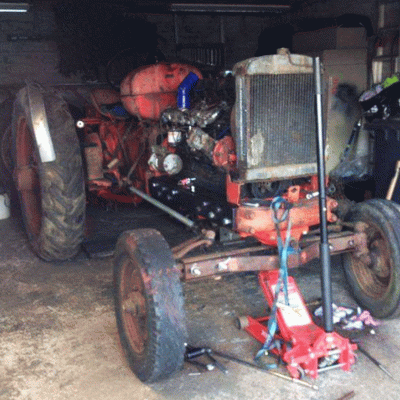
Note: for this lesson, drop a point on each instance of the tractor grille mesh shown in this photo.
(277, 123)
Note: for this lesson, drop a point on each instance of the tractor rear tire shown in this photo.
(51, 194)
(149, 305)
(374, 278)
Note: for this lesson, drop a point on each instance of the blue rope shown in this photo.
(284, 249)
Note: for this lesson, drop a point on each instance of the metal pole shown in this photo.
(326, 279)
(188, 222)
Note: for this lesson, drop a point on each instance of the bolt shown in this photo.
(195, 270)
(350, 242)
(211, 215)
(311, 195)
(223, 265)
(80, 124)
(226, 221)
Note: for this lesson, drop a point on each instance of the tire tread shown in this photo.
(386, 215)
(165, 305)
(62, 182)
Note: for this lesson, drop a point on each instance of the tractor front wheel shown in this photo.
(374, 276)
(149, 305)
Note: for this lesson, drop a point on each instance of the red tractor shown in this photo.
(245, 165)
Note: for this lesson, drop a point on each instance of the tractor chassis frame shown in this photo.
(245, 259)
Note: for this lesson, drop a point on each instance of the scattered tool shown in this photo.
(314, 303)
(347, 396)
(274, 373)
(376, 362)
(215, 362)
(202, 367)
(195, 352)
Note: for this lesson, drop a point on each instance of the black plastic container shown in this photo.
(387, 153)
(383, 105)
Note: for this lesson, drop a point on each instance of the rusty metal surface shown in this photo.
(279, 172)
(270, 145)
(26, 177)
(191, 246)
(258, 221)
(371, 262)
(93, 156)
(338, 243)
(206, 268)
(274, 64)
(241, 260)
(227, 253)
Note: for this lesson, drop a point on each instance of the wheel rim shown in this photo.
(373, 270)
(133, 307)
(27, 176)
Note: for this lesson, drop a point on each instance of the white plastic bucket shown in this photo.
(4, 206)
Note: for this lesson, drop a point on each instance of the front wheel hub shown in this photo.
(135, 304)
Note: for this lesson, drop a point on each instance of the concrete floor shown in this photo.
(58, 337)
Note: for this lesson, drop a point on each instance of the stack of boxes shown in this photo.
(343, 52)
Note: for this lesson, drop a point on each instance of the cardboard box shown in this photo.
(341, 67)
(329, 39)
(347, 66)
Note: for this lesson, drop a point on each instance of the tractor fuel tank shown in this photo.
(146, 92)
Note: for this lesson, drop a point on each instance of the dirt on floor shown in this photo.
(58, 335)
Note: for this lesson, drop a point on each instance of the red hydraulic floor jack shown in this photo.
(303, 346)
(291, 334)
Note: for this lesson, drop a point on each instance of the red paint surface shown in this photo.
(148, 91)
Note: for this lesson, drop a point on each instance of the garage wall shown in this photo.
(239, 33)
(27, 50)
(333, 8)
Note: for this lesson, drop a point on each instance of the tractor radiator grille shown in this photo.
(275, 126)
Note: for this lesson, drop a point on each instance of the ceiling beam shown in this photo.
(228, 8)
